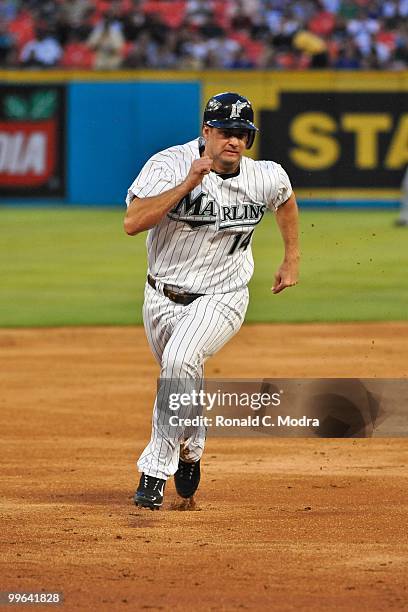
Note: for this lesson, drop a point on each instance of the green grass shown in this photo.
(354, 268)
(77, 267)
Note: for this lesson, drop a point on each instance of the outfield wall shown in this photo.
(80, 138)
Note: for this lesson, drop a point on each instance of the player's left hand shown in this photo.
(286, 276)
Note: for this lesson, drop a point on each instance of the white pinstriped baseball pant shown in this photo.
(181, 339)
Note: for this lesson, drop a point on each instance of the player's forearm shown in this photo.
(288, 223)
(144, 213)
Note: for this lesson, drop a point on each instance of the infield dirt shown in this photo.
(280, 524)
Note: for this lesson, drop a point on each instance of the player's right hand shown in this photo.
(199, 168)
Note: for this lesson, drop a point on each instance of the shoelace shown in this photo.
(191, 470)
(146, 482)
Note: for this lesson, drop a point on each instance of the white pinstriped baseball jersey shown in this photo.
(203, 245)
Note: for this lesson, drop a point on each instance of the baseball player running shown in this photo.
(200, 203)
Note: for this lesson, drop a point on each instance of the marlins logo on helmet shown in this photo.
(231, 111)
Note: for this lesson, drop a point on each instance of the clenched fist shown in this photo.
(199, 168)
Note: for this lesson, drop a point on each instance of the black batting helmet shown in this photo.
(232, 111)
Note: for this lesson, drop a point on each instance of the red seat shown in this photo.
(172, 13)
(127, 47)
(22, 27)
(253, 48)
(322, 24)
(77, 55)
(222, 13)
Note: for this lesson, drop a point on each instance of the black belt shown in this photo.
(180, 298)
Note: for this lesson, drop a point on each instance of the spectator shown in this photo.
(210, 29)
(226, 48)
(348, 9)
(8, 10)
(385, 44)
(403, 9)
(369, 61)
(107, 41)
(290, 24)
(389, 10)
(332, 6)
(47, 11)
(213, 61)
(198, 12)
(74, 15)
(400, 59)
(273, 16)
(339, 34)
(269, 34)
(241, 20)
(73, 12)
(363, 30)
(7, 45)
(44, 51)
(304, 10)
(239, 61)
(134, 23)
(348, 58)
(162, 54)
(268, 61)
(260, 30)
(194, 50)
(156, 27)
(138, 52)
(313, 46)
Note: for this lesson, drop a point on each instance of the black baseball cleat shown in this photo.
(150, 492)
(187, 478)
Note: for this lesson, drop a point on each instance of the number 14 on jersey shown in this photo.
(241, 241)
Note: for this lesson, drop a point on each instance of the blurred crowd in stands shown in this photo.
(204, 34)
